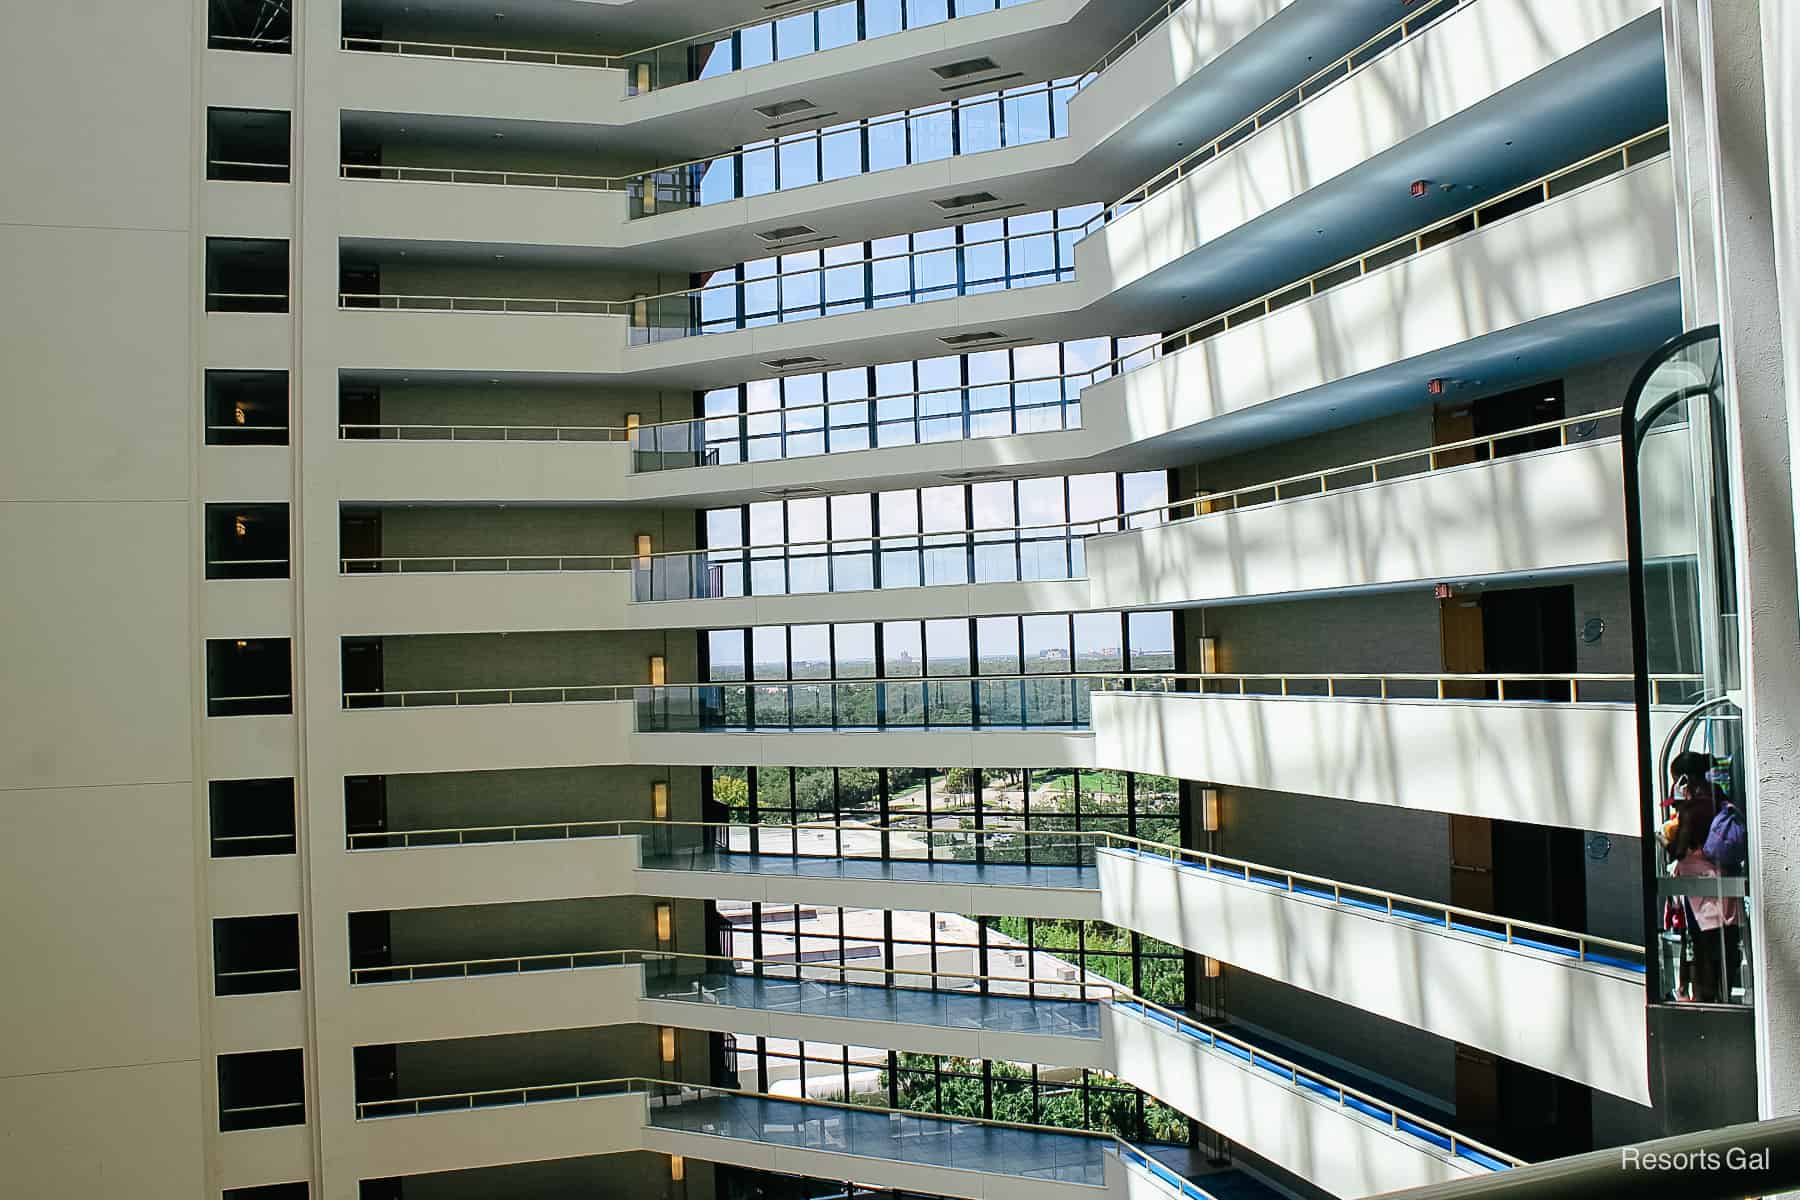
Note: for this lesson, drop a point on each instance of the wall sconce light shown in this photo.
(1209, 809)
(659, 800)
(668, 1044)
(632, 421)
(1208, 648)
(677, 1168)
(238, 416)
(644, 549)
(665, 925)
(241, 525)
(659, 670)
(1209, 967)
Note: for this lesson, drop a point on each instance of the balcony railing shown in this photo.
(962, 702)
(1312, 86)
(1460, 687)
(1018, 116)
(229, 170)
(421, 432)
(702, 56)
(485, 564)
(1002, 554)
(457, 697)
(260, 704)
(940, 838)
(536, 179)
(486, 304)
(246, 568)
(705, 978)
(853, 285)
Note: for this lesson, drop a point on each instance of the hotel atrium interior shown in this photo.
(898, 599)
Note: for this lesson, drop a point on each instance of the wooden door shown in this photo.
(1462, 645)
(1453, 423)
(1472, 863)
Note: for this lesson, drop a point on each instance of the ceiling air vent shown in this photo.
(968, 66)
(986, 81)
(806, 119)
(784, 108)
(972, 339)
(789, 364)
(966, 200)
(784, 232)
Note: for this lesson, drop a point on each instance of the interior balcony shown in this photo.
(684, 93)
(1567, 89)
(460, 702)
(1543, 501)
(1061, 139)
(1332, 1133)
(1458, 974)
(399, 301)
(1219, 387)
(1416, 517)
(1289, 927)
(1414, 741)
(931, 1155)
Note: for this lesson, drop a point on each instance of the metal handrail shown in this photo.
(1117, 683)
(560, 564)
(253, 837)
(1108, 992)
(1249, 871)
(480, 835)
(1179, 511)
(1312, 86)
(1137, 34)
(506, 304)
(249, 41)
(247, 428)
(247, 296)
(225, 1110)
(470, 968)
(243, 972)
(449, 433)
(249, 699)
(414, 1105)
(620, 61)
(284, 168)
(246, 562)
(423, 49)
(1109, 680)
(1310, 285)
(474, 696)
(541, 179)
(1394, 904)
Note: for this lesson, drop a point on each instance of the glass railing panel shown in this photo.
(1012, 702)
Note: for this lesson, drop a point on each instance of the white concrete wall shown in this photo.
(1322, 1142)
(437, 876)
(1555, 509)
(459, 1008)
(489, 737)
(105, 1073)
(1580, 1022)
(1543, 763)
(459, 1141)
